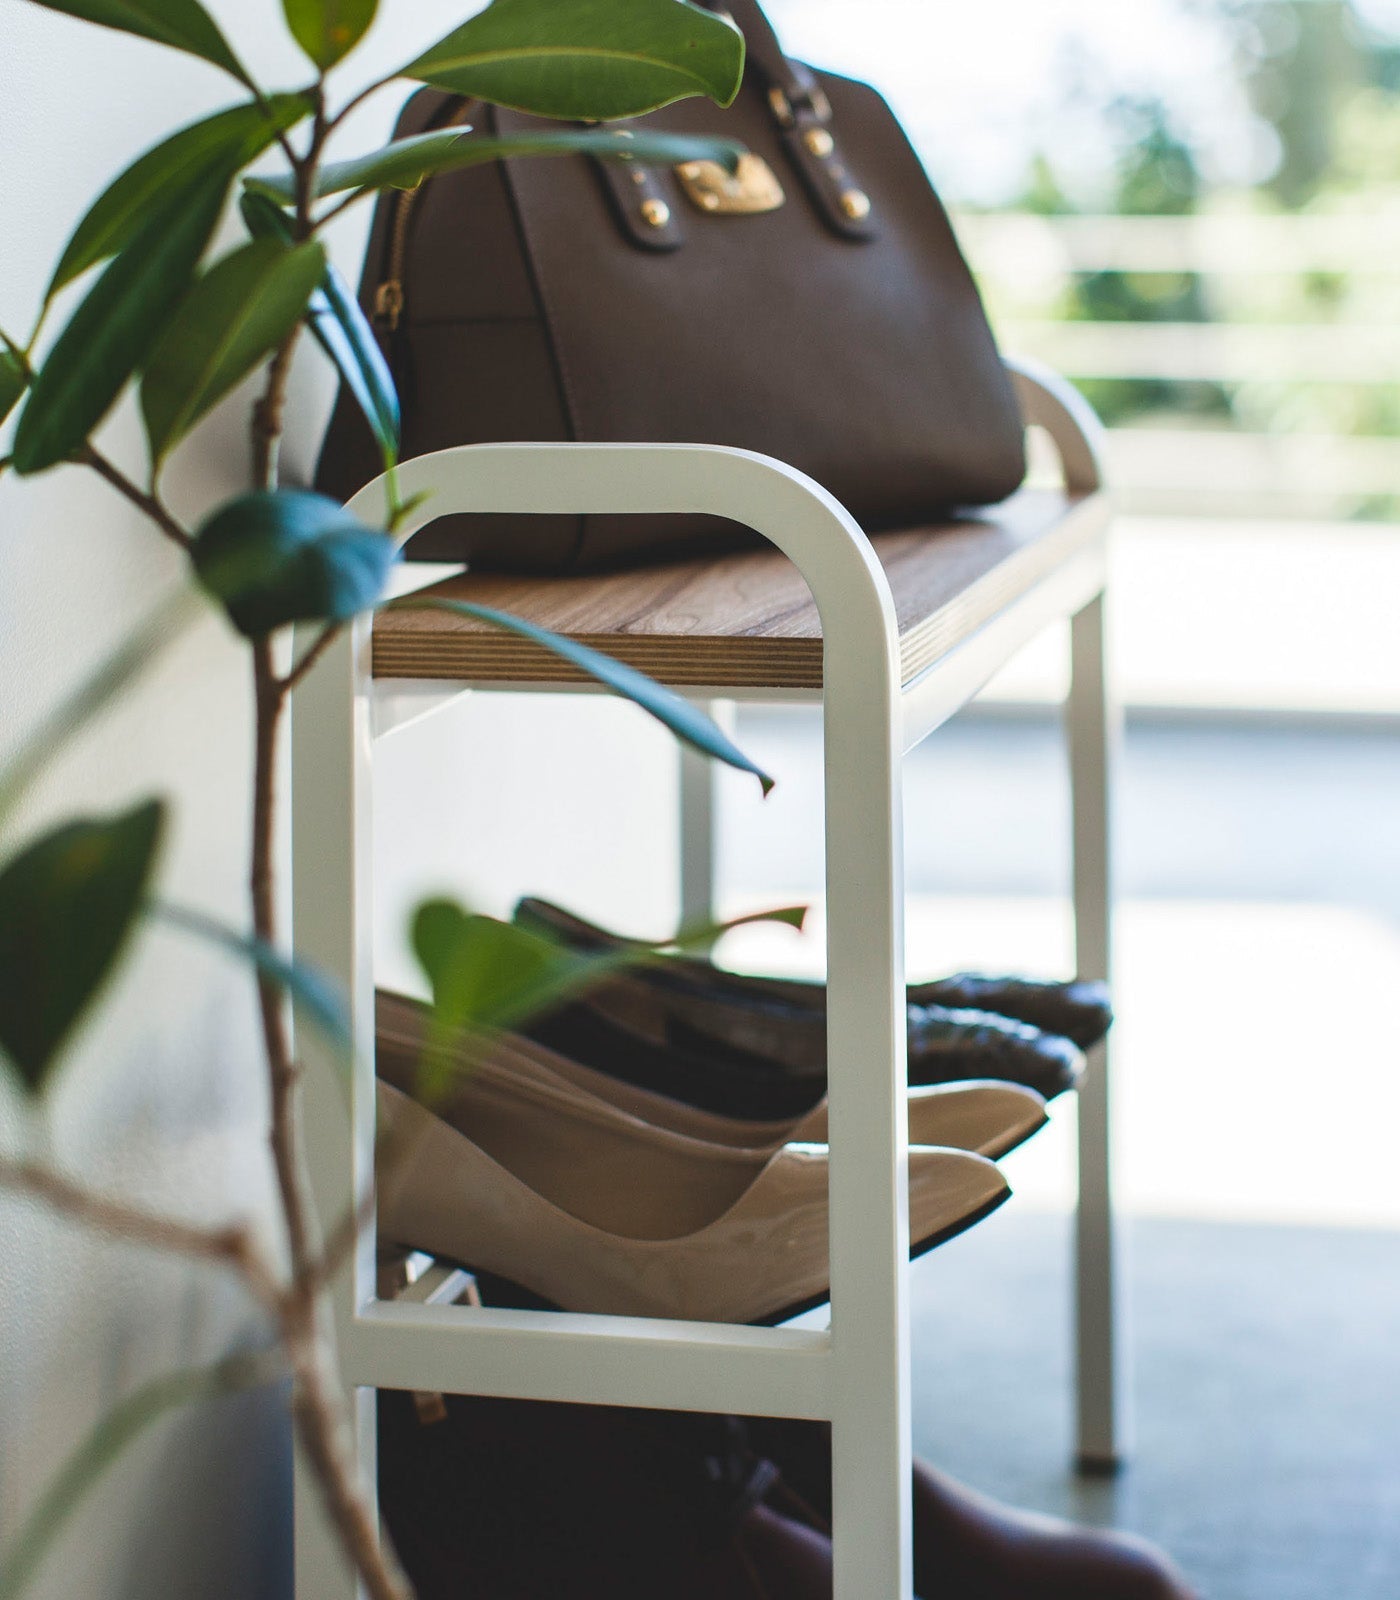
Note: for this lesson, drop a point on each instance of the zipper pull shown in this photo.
(388, 303)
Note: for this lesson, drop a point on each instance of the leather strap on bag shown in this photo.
(640, 202)
(803, 115)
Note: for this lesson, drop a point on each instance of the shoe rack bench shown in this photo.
(891, 638)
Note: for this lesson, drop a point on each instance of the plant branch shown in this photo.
(283, 1075)
(21, 354)
(334, 211)
(324, 640)
(358, 99)
(319, 1408)
(269, 698)
(323, 1431)
(287, 149)
(340, 1241)
(151, 504)
(268, 413)
(233, 1245)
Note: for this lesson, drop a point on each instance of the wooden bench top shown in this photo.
(746, 620)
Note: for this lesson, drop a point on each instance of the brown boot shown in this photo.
(968, 1546)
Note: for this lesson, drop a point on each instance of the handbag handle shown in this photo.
(791, 86)
(803, 114)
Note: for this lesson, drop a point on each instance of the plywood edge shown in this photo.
(927, 641)
(440, 646)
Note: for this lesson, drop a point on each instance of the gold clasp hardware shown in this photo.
(752, 188)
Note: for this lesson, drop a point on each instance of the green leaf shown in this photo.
(14, 380)
(237, 313)
(287, 555)
(224, 143)
(67, 903)
(587, 59)
(262, 215)
(486, 975)
(328, 30)
(344, 333)
(32, 1540)
(311, 991)
(405, 163)
(340, 328)
(688, 723)
(182, 24)
(112, 331)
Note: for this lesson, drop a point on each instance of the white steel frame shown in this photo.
(856, 1373)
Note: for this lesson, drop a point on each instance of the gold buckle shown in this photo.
(752, 188)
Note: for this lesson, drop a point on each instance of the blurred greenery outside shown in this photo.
(1321, 81)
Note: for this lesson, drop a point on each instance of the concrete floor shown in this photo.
(1267, 1457)
(1220, 808)
(1259, 958)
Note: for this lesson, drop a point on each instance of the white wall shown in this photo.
(163, 1101)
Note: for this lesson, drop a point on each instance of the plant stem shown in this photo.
(151, 504)
(318, 1403)
(356, 100)
(282, 1072)
(323, 642)
(268, 414)
(319, 1407)
(324, 1432)
(332, 212)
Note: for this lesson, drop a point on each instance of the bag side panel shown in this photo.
(350, 456)
(470, 354)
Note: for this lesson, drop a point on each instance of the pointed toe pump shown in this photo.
(990, 1118)
(603, 1213)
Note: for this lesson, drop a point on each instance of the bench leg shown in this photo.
(699, 823)
(1103, 1425)
(868, 1106)
(332, 916)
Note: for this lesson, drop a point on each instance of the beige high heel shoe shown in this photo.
(594, 1210)
(990, 1118)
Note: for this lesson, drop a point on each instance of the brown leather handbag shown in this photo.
(814, 307)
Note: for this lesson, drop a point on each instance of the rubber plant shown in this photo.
(159, 317)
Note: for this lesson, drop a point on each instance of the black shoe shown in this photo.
(1078, 1010)
(703, 1068)
(683, 1029)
